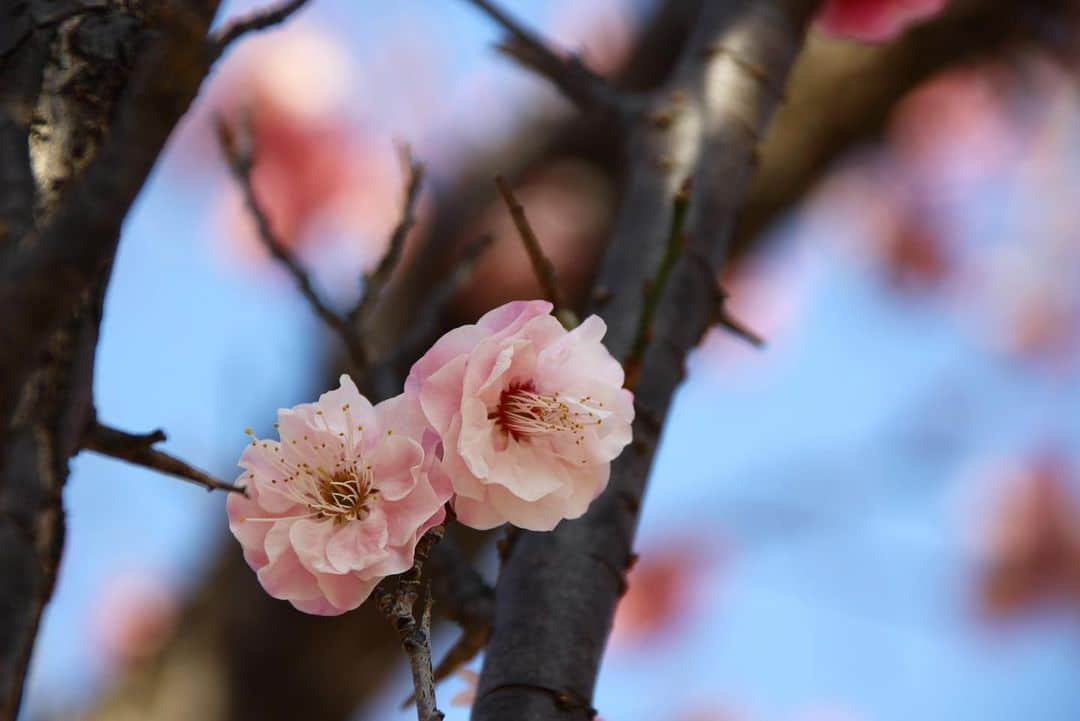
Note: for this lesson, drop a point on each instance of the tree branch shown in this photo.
(541, 264)
(570, 75)
(142, 69)
(253, 22)
(399, 607)
(654, 289)
(239, 151)
(138, 449)
(556, 595)
(376, 281)
(467, 600)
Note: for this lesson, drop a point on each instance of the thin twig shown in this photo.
(238, 148)
(733, 325)
(137, 448)
(466, 599)
(570, 75)
(257, 20)
(399, 607)
(654, 289)
(376, 281)
(541, 264)
(424, 329)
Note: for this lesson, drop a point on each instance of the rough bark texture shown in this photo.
(84, 112)
(557, 591)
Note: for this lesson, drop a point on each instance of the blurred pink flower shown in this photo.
(135, 615)
(340, 502)
(1033, 541)
(874, 21)
(466, 697)
(601, 31)
(660, 591)
(316, 169)
(530, 415)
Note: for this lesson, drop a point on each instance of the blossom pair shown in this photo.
(513, 419)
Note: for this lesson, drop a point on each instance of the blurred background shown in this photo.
(874, 518)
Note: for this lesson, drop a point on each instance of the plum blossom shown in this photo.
(530, 415)
(874, 21)
(340, 501)
(135, 615)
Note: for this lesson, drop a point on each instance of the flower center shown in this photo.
(523, 413)
(344, 495)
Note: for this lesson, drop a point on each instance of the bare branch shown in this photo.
(253, 22)
(654, 288)
(733, 325)
(138, 449)
(399, 607)
(541, 264)
(424, 328)
(238, 148)
(557, 591)
(577, 82)
(467, 600)
(376, 281)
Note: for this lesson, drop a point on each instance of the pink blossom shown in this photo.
(340, 502)
(135, 616)
(466, 697)
(874, 21)
(530, 415)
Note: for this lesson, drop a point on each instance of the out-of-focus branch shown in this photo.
(541, 264)
(253, 22)
(570, 75)
(733, 325)
(376, 281)
(816, 124)
(139, 450)
(424, 327)
(398, 604)
(239, 151)
(556, 595)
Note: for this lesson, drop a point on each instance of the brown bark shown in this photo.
(83, 115)
(557, 591)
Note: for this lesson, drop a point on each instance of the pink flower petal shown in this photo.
(286, 578)
(440, 395)
(308, 538)
(510, 317)
(875, 21)
(357, 545)
(455, 343)
(393, 463)
(347, 591)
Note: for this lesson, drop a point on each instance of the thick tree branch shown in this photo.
(141, 70)
(54, 269)
(557, 592)
(139, 450)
